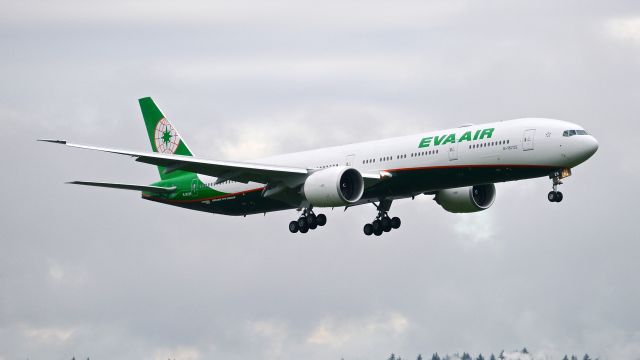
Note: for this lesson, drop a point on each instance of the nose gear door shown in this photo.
(527, 139)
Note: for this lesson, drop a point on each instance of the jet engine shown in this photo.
(467, 199)
(335, 186)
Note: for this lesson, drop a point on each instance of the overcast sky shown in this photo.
(103, 274)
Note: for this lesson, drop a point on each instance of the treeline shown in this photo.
(514, 355)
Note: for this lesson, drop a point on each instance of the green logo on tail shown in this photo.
(166, 137)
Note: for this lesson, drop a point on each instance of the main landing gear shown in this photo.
(382, 222)
(307, 221)
(555, 195)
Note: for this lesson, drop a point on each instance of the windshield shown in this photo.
(567, 133)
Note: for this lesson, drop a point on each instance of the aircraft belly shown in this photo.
(409, 182)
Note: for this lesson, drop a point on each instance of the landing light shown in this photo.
(560, 174)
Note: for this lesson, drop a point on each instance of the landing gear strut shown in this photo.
(555, 195)
(382, 222)
(308, 220)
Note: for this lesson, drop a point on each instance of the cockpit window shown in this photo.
(568, 133)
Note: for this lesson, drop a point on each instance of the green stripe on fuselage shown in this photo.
(188, 188)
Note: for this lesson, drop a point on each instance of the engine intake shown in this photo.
(467, 199)
(336, 186)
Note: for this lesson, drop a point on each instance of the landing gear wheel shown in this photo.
(382, 223)
(555, 195)
(312, 221)
(308, 220)
(386, 224)
(377, 225)
(368, 229)
(293, 227)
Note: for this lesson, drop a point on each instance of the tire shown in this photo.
(312, 221)
(368, 229)
(386, 224)
(321, 219)
(304, 230)
(293, 227)
(395, 222)
(377, 232)
(314, 226)
(302, 222)
(559, 196)
(552, 196)
(377, 225)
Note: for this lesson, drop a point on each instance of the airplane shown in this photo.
(458, 166)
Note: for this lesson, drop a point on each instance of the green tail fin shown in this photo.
(163, 136)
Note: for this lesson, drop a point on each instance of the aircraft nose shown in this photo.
(588, 147)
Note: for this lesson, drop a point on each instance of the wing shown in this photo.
(223, 170)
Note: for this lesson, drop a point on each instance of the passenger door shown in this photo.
(349, 160)
(453, 151)
(527, 139)
(194, 187)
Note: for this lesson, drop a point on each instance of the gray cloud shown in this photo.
(100, 273)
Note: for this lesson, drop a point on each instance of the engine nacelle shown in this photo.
(467, 199)
(336, 186)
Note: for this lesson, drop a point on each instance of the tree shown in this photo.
(466, 356)
(419, 357)
(492, 357)
(480, 357)
(565, 358)
(392, 357)
(586, 357)
(501, 356)
(524, 351)
(573, 357)
(435, 357)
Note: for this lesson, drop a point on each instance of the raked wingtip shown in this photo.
(63, 142)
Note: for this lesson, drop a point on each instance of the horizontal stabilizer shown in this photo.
(146, 188)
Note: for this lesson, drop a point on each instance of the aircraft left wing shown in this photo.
(223, 170)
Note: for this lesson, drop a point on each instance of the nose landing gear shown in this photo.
(307, 221)
(555, 195)
(382, 222)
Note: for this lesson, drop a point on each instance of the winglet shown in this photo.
(63, 142)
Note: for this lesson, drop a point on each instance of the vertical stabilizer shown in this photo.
(163, 136)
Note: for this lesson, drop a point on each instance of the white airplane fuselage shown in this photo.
(517, 149)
